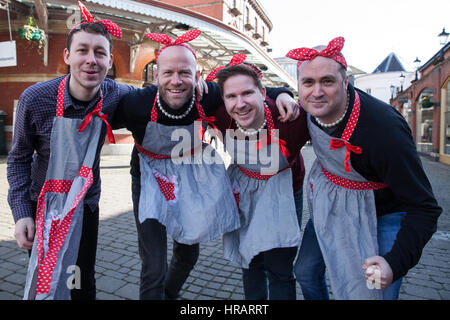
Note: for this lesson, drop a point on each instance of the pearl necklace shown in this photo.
(172, 116)
(329, 125)
(253, 132)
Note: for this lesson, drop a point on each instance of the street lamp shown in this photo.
(417, 66)
(443, 36)
(402, 81)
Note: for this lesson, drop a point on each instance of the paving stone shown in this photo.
(11, 287)
(109, 284)
(194, 289)
(423, 292)
(8, 296)
(16, 278)
(129, 291)
(118, 264)
(107, 296)
(187, 295)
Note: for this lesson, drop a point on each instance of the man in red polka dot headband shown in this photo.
(55, 201)
(372, 207)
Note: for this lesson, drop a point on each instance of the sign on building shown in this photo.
(8, 54)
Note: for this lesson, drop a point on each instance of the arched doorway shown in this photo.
(407, 113)
(111, 73)
(148, 74)
(424, 120)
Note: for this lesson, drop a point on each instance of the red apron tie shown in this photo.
(268, 139)
(338, 143)
(209, 120)
(102, 116)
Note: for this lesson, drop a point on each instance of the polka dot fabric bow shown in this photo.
(237, 59)
(113, 29)
(180, 41)
(332, 51)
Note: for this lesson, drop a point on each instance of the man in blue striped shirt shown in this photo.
(88, 53)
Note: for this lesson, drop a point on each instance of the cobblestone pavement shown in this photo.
(118, 265)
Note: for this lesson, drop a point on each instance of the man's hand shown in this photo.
(24, 233)
(384, 269)
(201, 88)
(288, 107)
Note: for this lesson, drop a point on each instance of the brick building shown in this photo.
(134, 54)
(246, 16)
(425, 104)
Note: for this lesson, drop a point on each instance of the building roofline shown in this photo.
(434, 57)
(262, 11)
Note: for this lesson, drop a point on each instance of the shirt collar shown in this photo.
(69, 103)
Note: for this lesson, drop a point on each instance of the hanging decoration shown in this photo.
(31, 32)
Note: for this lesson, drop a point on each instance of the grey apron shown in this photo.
(266, 204)
(189, 194)
(342, 207)
(59, 214)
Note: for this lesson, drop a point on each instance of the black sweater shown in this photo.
(389, 155)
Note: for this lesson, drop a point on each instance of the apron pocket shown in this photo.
(167, 185)
(237, 193)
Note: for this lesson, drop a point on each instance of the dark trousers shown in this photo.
(159, 281)
(276, 267)
(270, 273)
(86, 254)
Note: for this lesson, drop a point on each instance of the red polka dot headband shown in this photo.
(180, 41)
(112, 28)
(332, 51)
(237, 59)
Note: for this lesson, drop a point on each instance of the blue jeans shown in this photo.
(270, 273)
(310, 266)
(159, 281)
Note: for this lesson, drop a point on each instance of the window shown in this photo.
(424, 121)
(148, 74)
(111, 73)
(447, 121)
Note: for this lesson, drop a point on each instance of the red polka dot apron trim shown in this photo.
(58, 229)
(236, 194)
(263, 142)
(47, 259)
(344, 142)
(353, 185)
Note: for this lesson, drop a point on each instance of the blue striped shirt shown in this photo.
(28, 159)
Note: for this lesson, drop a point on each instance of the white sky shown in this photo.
(372, 28)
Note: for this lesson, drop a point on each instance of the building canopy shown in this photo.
(214, 47)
